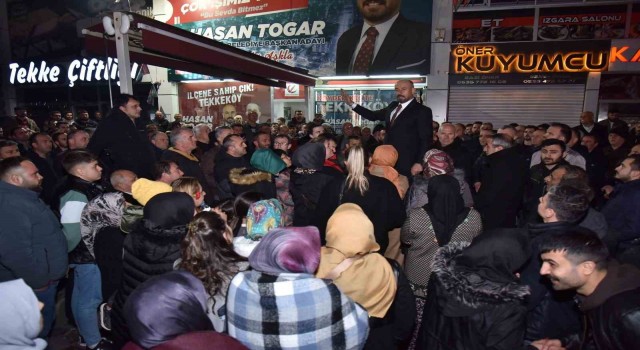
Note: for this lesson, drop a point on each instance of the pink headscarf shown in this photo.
(437, 162)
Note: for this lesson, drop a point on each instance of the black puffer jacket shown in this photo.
(468, 312)
(151, 249)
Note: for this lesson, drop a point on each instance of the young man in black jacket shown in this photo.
(608, 293)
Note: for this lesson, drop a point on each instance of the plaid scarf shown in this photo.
(293, 311)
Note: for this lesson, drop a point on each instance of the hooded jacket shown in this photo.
(20, 320)
(151, 249)
(612, 312)
(468, 311)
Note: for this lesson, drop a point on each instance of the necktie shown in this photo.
(395, 114)
(365, 55)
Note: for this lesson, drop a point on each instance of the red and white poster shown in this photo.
(209, 102)
(291, 92)
(187, 11)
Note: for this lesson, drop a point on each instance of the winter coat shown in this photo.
(418, 234)
(381, 203)
(552, 314)
(147, 253)
(466, 312)
(306, 186)
(393, 330)
(622, 213)
(120, 146)
(503, 181)
(611, 312)
(32, 245)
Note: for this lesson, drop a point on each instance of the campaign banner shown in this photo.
(320, 36)
(335, 112)
(186, 11)
(582, 23)
(210, 102)
(527, 63)
(486, 26)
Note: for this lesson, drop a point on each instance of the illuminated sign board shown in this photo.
(625, 55)
(84, 70)
(530, 63)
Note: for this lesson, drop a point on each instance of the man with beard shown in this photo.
(32, 245)
(552, 155)
(386, 42)
(40, 154)
(84, 122)
(562, 132)
(622, 211)
(409, 127)
(608, 293)
(502, 183)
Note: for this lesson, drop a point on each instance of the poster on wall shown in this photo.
(335, 112)
(535, 63)
(321, 36)
(581, 23)
(211, 102)
(486, 26)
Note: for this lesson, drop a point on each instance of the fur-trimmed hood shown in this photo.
(246, 176)
(465, 292)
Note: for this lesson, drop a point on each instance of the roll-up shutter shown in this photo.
(526, 105)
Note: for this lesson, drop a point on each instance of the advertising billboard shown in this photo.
(321, 36)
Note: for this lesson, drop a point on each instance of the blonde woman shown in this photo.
(192, 187)
(377, 196)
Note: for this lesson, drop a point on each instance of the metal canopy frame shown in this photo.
(152, 42)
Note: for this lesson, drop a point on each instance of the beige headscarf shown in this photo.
(370, 280)
(382, 162)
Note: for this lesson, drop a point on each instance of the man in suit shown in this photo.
(409, 127)
(386, 43)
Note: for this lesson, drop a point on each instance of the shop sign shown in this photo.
(290, 92)
(206, 102)
(625, 55)
(495, 26)
(578, 23)
(530, 63)
(84, 70)
(306, 33)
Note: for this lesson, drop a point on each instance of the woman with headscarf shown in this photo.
(277, 163)
(350, 259)
(444, 219)
(436, 162)
(475, 299)
(377, 196)
(262, 217)
(151, 249)
(281, 305)
(20, 318)
(170, 312)
(382, 164)
(308, 179)
(207, 252)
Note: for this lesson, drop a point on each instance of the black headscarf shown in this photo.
(165, 307)
(445, 207)
(496, 254)
(168, 210)
(309, 156)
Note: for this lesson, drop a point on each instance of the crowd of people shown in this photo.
(410, 235)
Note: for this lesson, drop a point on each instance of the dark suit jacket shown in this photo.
(411, 133)
(406, 49)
